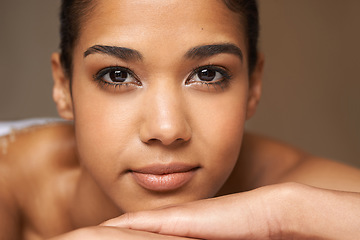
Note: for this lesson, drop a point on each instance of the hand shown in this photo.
(284, 211)
(246, 215)
(111, 233)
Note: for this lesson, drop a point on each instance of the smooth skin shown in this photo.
(69, 178)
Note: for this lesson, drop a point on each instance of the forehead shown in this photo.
(170, 24)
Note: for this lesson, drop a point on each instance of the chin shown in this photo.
(157, 200)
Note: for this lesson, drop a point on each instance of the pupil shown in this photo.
(118, 76)
(207, 75)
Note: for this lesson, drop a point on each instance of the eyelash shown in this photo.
(99, 77)
(222, 83)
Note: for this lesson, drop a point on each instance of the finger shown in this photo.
(207, 219)
(249, 215)
(110, 233)
(164, 221)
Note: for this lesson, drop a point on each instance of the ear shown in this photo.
(61, 89)
(255, 86)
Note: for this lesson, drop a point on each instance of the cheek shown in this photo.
(219, 124)
(105, 126)
(221, 116)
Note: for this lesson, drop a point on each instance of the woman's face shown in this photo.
(160, 95)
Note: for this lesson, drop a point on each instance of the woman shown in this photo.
(159, 92)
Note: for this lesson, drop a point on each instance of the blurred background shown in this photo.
(311, 85)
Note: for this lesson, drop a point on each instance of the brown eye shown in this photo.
(118, 76)
(207, 74)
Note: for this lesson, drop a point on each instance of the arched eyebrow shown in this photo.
(118, 52)
(205, 51)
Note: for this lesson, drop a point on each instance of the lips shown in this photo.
(162, 178)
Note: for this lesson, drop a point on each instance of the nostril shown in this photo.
(182, 139)
(166, 141)
(153, 140)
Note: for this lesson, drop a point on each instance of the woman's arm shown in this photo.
(280, 210)
(283, 211)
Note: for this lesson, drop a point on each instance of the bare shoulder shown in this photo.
(37, 146)
(324, 173)
(31, 162)
(265, 161)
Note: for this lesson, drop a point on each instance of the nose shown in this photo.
(164, 117)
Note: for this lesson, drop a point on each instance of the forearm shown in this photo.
(312, 213)
(283, 211)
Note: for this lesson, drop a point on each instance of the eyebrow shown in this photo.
(119, 52)
(202, 51)
(205, 51)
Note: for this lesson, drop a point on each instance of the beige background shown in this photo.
(311, 82)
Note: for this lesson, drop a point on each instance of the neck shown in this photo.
(91, 206)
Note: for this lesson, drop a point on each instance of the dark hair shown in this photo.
(249, 13)
(74, 12)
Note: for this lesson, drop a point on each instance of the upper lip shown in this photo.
(161, 169)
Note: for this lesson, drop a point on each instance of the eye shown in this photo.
(209, 75)
(117, 76)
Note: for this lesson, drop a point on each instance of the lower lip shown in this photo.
(163, 183)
